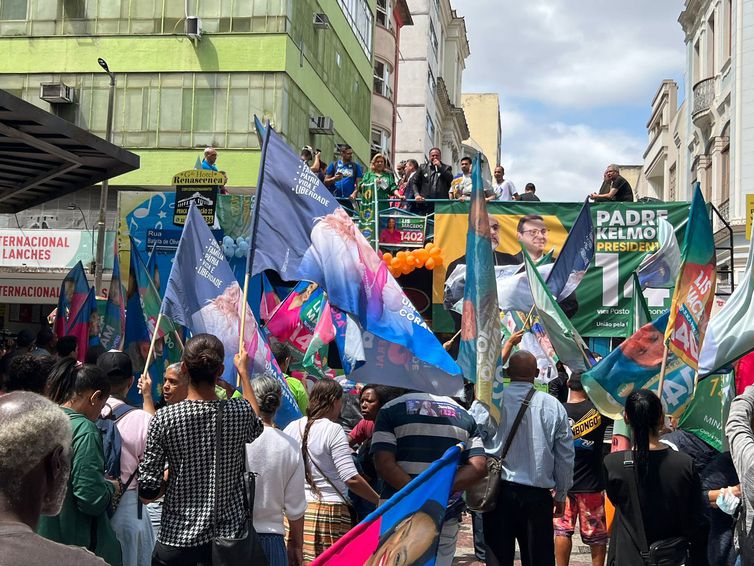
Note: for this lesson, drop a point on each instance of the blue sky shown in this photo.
(576, 80)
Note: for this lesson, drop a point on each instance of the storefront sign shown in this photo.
(624, 234)
(49, 249)
(196, 186)
(402, 230)
(41, 290)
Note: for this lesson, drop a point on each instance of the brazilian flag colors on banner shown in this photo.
(625, 233)
(695, 286)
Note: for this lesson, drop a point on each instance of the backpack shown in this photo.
(112, 442)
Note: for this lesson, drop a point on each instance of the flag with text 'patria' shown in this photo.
(694, 287)
(481, 336)
(300, 231)
(203, 295)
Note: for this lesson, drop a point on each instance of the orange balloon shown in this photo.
(421, 254)
(396, 263)
(411, 260)
(394, 272)
(429, 245)
(430, 263)
(434, 252)
(406, 269)
(386, 257)
(438, 260)
(401, 254)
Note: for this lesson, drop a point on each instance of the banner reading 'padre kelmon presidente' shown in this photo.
(624, 234)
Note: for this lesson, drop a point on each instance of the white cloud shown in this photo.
(564, 161)
(572, 53)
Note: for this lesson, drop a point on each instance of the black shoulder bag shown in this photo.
(482, 496)
(666, 552)
(246, 549)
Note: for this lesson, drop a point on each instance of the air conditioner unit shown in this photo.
(194, 27)
(56, 93)
(320, 125)
(321, 21)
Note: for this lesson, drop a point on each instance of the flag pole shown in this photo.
(662, 371)
(150, 353)
(252, 243)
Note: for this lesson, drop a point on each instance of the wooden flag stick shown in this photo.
(150, 353)
(528, 316)
(662, 371)
(243, 316)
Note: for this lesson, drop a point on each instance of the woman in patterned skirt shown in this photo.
(183, 437)
(328, 468)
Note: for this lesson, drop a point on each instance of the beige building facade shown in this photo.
(482, 111)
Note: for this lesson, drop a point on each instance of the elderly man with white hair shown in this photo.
(614, 187)
(208, 164)
(35, 462)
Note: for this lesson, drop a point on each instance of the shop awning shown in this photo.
(44, 157)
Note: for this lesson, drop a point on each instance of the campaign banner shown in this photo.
(402, 229)
(197, 186)
(625, 233)
(706, 415)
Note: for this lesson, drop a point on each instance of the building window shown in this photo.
(385, 13)
(431, 82)
(711, 46)
(433, 39)
(430, 128)
(13, 9)
(380, 143)
(359, 15)
(383, 79)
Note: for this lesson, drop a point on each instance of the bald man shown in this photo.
(35, 462)
(539, 461)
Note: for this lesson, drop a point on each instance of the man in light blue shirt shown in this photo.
(537, 471)
(210, 156)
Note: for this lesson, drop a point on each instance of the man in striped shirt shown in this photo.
(414, 430)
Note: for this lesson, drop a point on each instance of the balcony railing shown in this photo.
(704, 94)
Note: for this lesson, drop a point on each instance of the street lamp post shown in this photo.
(100, 258)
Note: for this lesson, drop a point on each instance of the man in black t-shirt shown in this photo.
(614, 188)
(586, 499)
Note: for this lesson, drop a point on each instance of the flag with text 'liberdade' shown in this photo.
(659, 268)
(73, 293)
(82, 322)
(575, 257)
(695, 285)
(203, 295)
(303, 314)
(565, 340)
(635, 364)
(406, 528)
(481, 336)
(301, 232)
(730, 333)
(114, 323)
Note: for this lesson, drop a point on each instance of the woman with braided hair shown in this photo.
(328, 468)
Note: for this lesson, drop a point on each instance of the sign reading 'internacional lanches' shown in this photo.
(200, 187)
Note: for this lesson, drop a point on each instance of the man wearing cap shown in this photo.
(130, 523)
(25, 341)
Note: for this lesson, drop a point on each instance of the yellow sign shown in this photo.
(749, 214)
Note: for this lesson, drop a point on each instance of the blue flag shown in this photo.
(73, 293)
(114, 325)
(481, 336)
(635, 364)
(575, 256)
(406, 528)
(81, 323)
(203, 295)
(300, 231)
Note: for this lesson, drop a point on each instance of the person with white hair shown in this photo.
(276, 459)
(614, 187)
(35, 463)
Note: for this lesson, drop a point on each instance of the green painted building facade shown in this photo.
(176, 95)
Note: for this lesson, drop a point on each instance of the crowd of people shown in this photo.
(85, 477)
